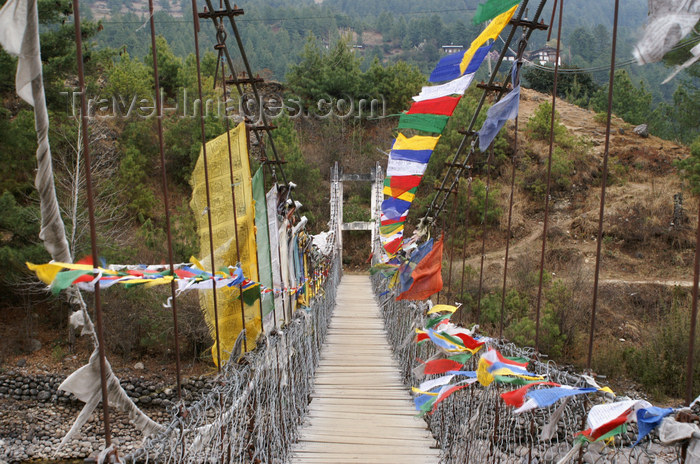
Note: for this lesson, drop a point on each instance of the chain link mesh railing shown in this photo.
(474, 425)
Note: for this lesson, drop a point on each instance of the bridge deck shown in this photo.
(360, 410)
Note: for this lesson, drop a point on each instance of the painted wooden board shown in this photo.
(360, 411)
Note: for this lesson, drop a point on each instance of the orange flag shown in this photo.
(427, 276)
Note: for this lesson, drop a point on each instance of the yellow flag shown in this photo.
(442, 307)
(491, 32)
(417, 142)
(224, 237)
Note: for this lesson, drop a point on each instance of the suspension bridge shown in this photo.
(322, 367)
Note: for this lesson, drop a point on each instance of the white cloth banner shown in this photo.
(457, 86)
(284, 265)
(405, 168)
(277, 283)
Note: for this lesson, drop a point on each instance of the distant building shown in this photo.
(450, 49)
(546, 55)
(509, 55)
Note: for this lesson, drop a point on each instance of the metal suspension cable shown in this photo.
(166, 198)
(453, 232)
(510, 207)
(221, 37)
(484, 224)
(466, 234)
(230, 13)
(604, 182)
(195, 21)
(91, 216)
(549, 180)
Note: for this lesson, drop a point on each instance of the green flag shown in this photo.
(492, 8)
(262, 239)
(425, 122)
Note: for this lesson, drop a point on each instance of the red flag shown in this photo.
(594, 434)
(427, 276)
(516, 397)
(468, 341)
(440, 366)
(443, 106)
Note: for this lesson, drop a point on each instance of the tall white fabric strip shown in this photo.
(455, 87)
(404, 168)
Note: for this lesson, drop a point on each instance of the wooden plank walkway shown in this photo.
(360, 411)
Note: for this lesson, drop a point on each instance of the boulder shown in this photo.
(641, 130)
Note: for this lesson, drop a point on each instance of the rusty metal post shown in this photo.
(549, 180)
(195, 20)
(166, 198)
(604, 181)
(91, 215)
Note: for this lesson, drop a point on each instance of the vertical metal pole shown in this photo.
(166, 198)
(91, 215)
(508, 231)
(693, 321)
(483, 233)
(602, 188)
(549, 180)
(233, 202)
(551, 21)
(453, 230)
(466, 236)
(195, 20)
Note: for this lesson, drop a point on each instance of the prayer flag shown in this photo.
(409, 266)
(417, 142)
(516, 397)
(224, 239)
(441, 106)
(386, 220)
(417, 156)
(405, 196)
(393, 246)
(448, 390)
(427, 277)
(262, 241)
(393, 208)
(440, 366)
(496, 116)
(648, 419)
(423, 122)
(548, 396)
(491, 8)
(454, 87)
(402, 183)
(448, 68)
(442, 307)
(405, 168)
(491, 32)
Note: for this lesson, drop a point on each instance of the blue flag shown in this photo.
(393, 208)
(549, 396)
(648, 419)
(406, 269)
(506, 108)
(447, 68)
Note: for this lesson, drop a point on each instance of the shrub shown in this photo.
(539, 124)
